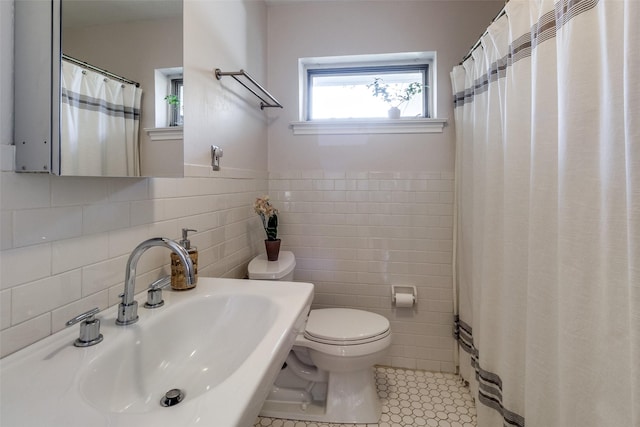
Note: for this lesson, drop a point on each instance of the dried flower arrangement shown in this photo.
(269, 216)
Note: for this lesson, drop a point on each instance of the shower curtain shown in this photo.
(100, 122)
(547, 259)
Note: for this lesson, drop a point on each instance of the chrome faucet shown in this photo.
(128, 308)
(89, 328)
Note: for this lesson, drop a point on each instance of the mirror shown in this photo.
(141, 40)
(103, 119)
(108, 40)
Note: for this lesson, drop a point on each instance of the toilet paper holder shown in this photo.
(403, 289)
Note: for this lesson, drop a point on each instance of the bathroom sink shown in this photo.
(222, 344)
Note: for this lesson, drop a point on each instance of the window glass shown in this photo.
(366, 86)
(339, 95)
(177, 114)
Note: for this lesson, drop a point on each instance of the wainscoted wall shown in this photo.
(385, 217)
(66, 241)
(355, 234)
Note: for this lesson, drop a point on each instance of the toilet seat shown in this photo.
(345, 326)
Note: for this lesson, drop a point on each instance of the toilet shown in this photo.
(328, 375)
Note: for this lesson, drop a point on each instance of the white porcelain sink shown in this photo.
(222, 343)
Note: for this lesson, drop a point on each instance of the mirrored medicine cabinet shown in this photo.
(68, 68)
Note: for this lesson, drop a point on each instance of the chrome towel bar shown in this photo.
(266, 99)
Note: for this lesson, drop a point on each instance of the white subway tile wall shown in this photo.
(65, 241)
(355, 234)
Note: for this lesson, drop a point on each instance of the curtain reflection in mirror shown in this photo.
(107, 143)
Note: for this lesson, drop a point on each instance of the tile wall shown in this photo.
(355, 234)
(65, 241)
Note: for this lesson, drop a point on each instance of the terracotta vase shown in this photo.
(273, 249)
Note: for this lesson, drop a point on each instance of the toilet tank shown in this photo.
(282, 269)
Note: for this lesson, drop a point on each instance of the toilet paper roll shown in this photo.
(404, 300)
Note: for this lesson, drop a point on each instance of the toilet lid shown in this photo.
(345, 325)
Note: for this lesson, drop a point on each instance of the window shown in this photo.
(169, 97)
(340, 87)
(177, 112)
(337, 94)
(348, 92)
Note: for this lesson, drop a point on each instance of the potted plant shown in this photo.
(394, 94)
(174, 105)
(269, 216)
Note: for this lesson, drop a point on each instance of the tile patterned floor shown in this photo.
(410, 398)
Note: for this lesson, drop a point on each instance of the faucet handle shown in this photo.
(162, 282)
(89, 328)
(154, 294)
(86, 315)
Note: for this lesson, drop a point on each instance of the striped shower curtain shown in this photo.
(547, 113)
(100, 122)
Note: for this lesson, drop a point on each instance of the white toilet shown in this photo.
(328, 375)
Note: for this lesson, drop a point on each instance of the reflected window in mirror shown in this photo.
(169, 95)
(177, 94)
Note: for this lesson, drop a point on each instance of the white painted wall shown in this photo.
(328, 28)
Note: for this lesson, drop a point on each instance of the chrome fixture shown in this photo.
(89, 328)
(172, 397)
(99, 70)
(154, 293)
(216, 153)
(128, 308)
(257, 90)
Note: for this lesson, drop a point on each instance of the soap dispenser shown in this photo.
(178, 278)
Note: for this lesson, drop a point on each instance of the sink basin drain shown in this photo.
(172, 397)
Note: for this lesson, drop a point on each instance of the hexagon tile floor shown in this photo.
(410, 398)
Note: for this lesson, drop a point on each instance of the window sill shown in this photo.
(164, 134)
(370, 126)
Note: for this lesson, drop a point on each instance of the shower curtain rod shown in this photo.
(99, 70)
(264, 103)
(475, 46)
